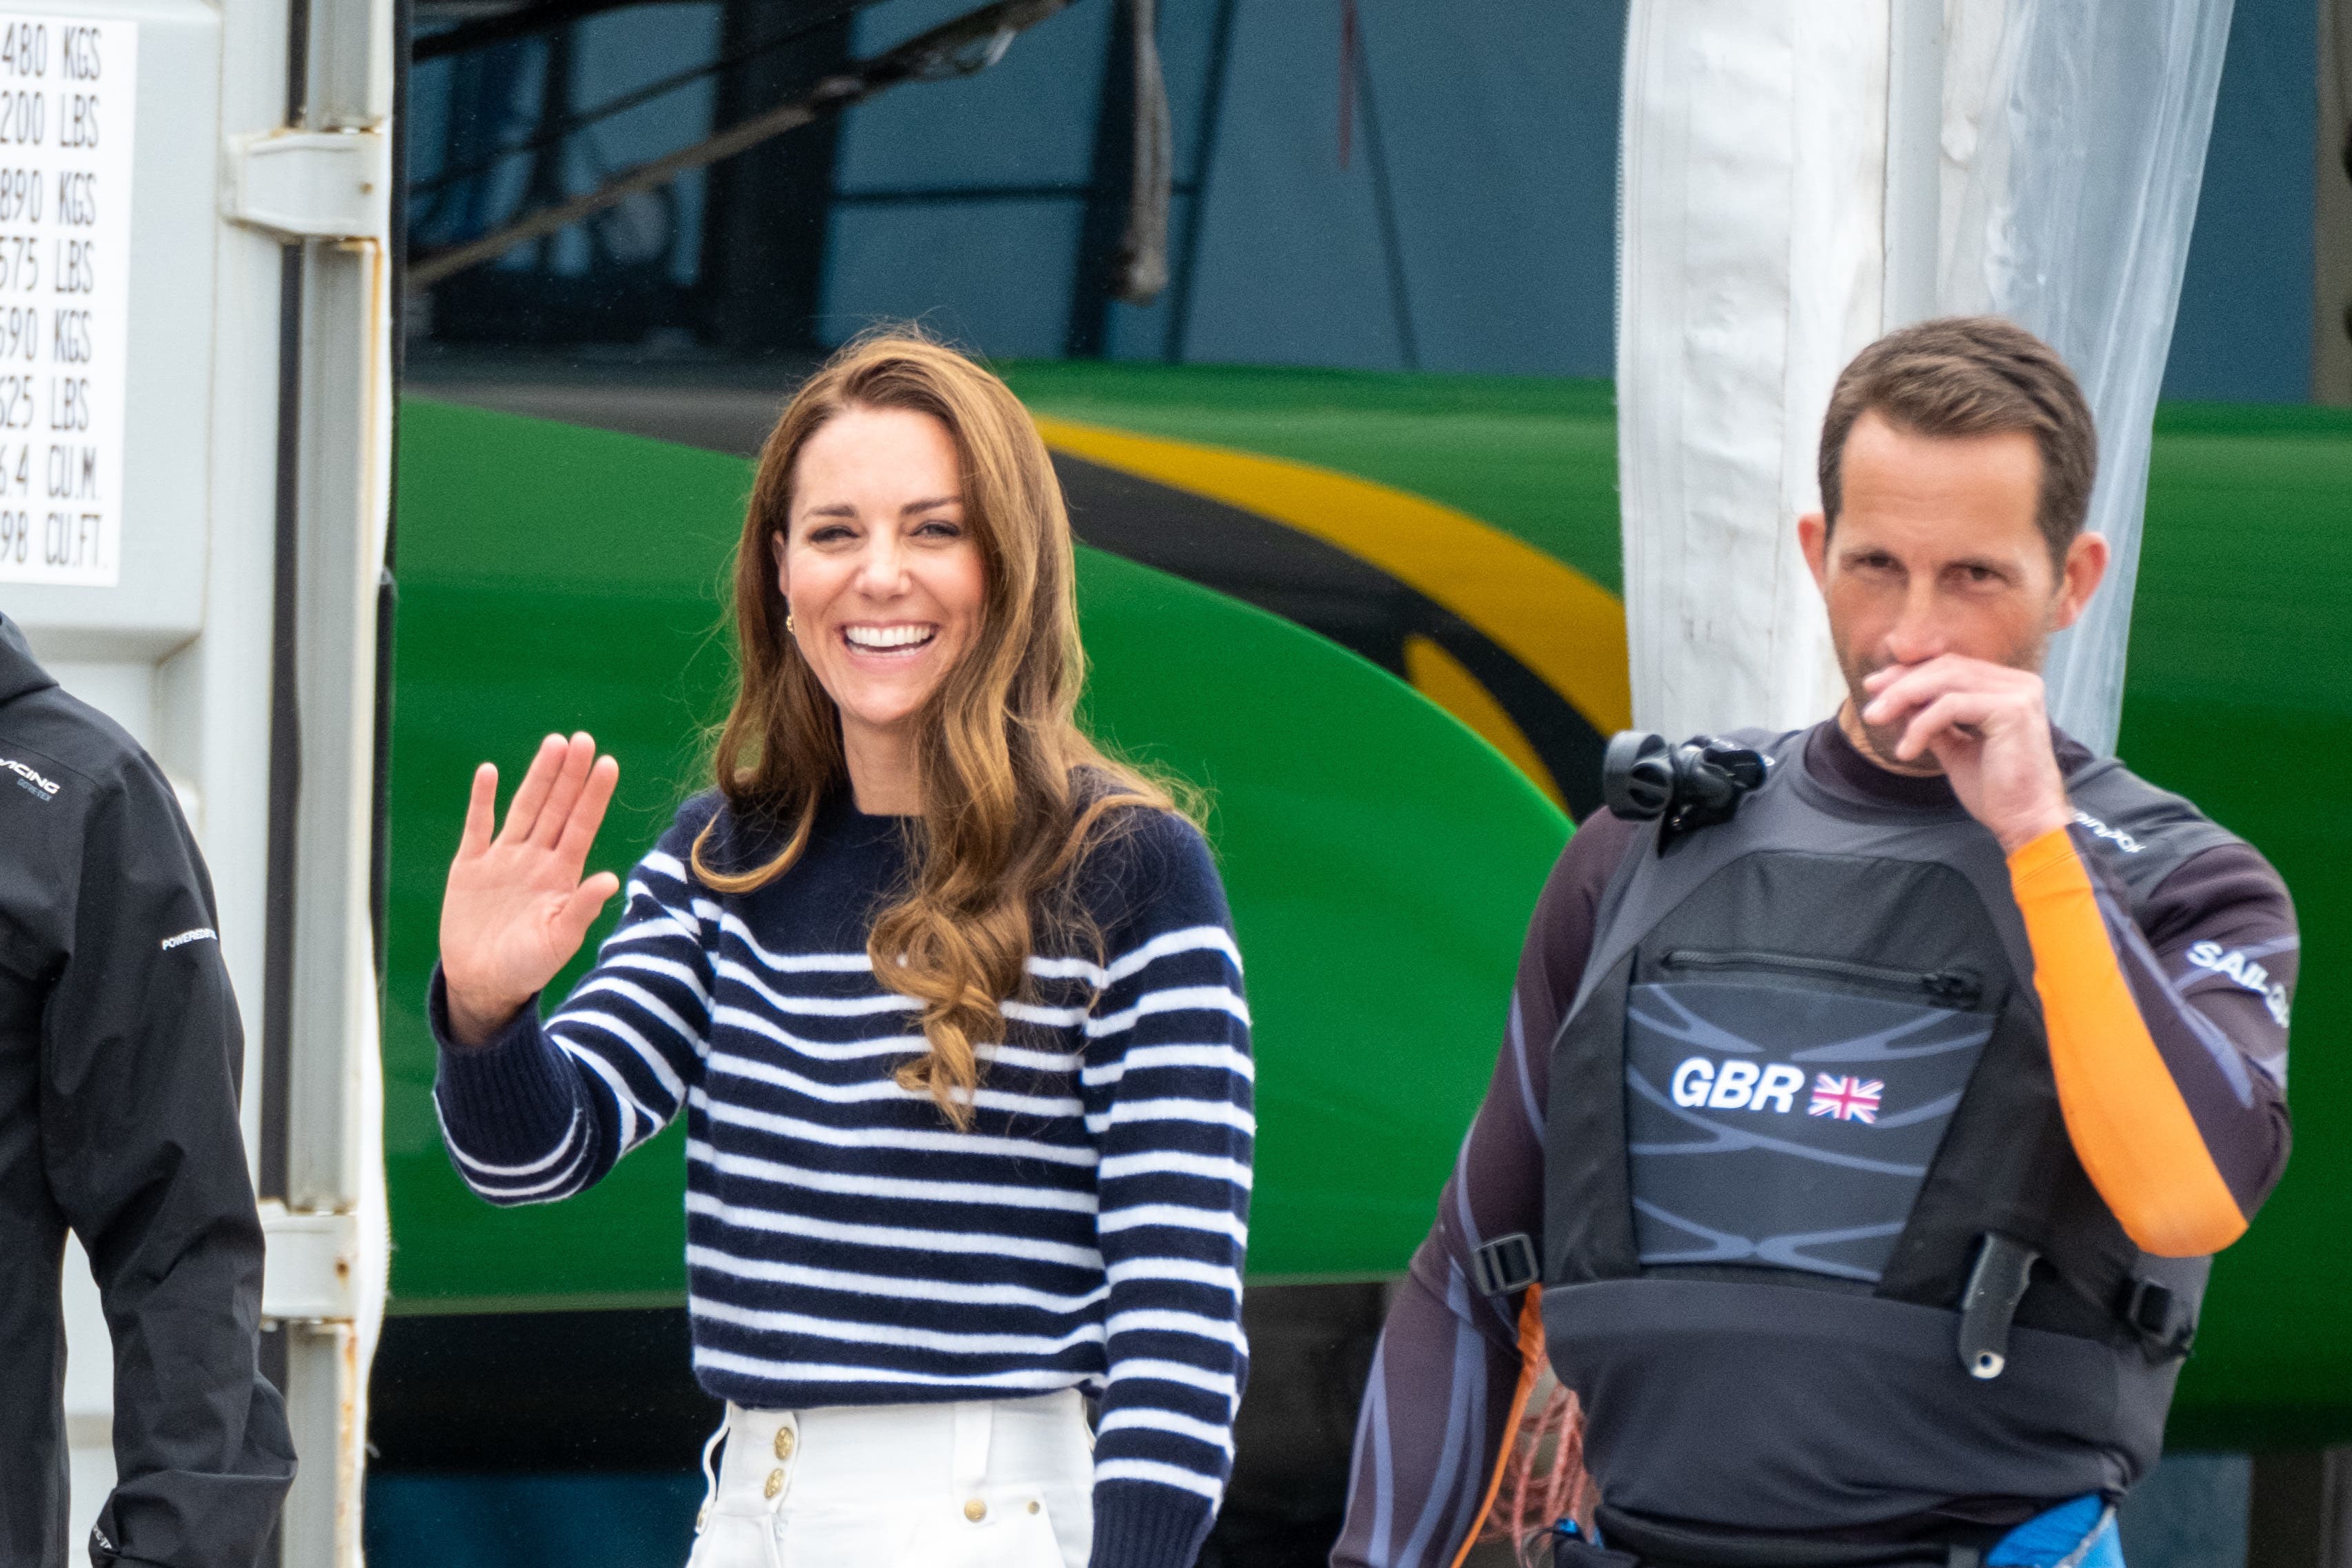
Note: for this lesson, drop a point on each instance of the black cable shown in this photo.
(272, 1179)
(522, 22)
(387, 597)
(961, 46)
(1384, 211)
(566, 127)
(2340, 45)
(1204, 154)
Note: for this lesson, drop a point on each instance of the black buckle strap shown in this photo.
(2154, 1311)
(1571, 1548)
(1506, 1263)
(2004, 1266)
(1661, 1543)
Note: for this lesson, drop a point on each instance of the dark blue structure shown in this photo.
(1464, 221)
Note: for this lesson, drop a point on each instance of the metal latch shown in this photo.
(312, 185)
(306, 1277)
(2004, 1266)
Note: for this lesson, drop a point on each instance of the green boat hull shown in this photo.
(1382, 852)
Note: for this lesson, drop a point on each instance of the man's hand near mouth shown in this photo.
(1986, 726)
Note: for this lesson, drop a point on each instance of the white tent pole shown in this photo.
(1914, 160)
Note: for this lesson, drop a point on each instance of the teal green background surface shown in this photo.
(2239, 694)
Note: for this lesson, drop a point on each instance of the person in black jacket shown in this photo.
(120, 1059)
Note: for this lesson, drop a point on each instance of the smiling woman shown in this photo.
(920, 637)
(950, 1002)
(884, 582)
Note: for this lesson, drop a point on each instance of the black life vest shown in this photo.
(1804, 1076)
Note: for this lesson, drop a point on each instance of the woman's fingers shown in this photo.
(588, 811)
(502, 879)
(522, 812)
(581, 909)
(481, 812)
(571, 778)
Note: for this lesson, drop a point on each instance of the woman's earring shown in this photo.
(788, 623)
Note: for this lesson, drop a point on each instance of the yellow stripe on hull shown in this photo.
(1562, 625)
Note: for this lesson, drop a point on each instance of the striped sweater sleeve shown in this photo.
(1167, 1087)
(542, 1110)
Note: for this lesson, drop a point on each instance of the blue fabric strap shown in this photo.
(2079, 1533)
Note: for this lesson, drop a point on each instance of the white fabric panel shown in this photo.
(1752, 265)
(1751, 254)
(2073, 164)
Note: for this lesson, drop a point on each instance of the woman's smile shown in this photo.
(896, 640)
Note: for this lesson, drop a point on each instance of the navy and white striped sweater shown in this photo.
(844, 1243)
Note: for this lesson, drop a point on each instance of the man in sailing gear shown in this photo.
(1930, 1302)
(120, 1055)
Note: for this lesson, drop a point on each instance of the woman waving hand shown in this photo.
(949, 1002)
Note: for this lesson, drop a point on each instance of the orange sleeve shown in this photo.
(2130, 1126)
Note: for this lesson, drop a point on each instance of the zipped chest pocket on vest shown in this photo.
(1781, 1110)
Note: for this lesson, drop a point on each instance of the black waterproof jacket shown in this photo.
(119, 1059)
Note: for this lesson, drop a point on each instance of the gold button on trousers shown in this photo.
(1003, 1483)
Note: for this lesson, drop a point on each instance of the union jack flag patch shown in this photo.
(1846, 1099)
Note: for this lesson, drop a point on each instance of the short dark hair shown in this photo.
(1972, 376)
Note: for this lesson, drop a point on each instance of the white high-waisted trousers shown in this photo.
(1003, 1483)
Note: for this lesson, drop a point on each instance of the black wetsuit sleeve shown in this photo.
(2167, 1032)
(140, 1058)
(1448, 1360)
(2222, 931)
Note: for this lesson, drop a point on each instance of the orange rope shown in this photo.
(1563, 1491)
(1531, 1364)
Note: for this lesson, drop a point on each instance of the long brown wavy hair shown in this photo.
(1013, 789)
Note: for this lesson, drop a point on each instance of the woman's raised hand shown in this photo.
(516, 910)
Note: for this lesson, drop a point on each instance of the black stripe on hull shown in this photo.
(1323, 588)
